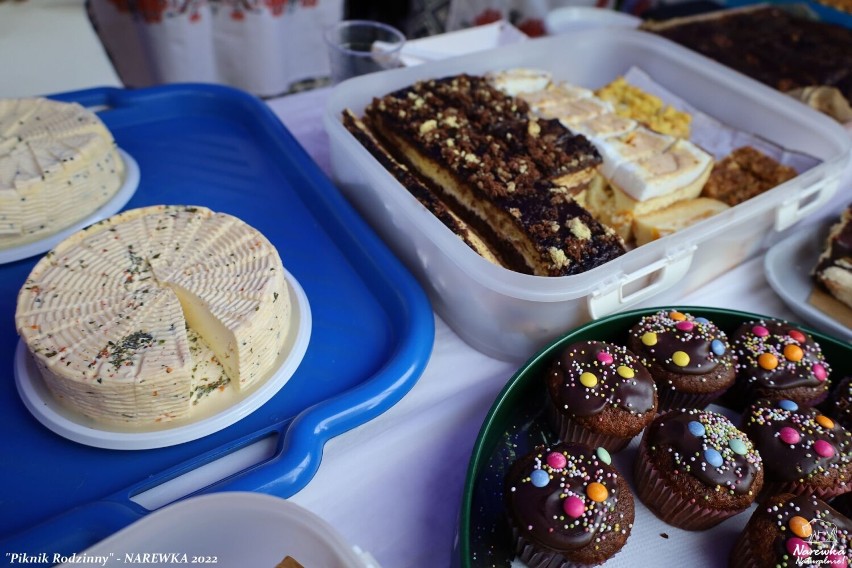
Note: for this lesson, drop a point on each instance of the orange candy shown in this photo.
(597, 492)
(825, 421)
(677, 316)
(800, 527)
(767, 361)
(793, 352)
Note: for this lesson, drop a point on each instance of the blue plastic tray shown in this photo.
(372, 334)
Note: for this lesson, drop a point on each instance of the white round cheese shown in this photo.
(118, 315)
(58, 164)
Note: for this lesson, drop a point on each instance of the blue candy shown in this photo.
(539, 478)
(717, 347)
(702, 320)
(696, 428)
(788, 405)
(713, 457)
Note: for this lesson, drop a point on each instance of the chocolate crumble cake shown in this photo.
(507, 175)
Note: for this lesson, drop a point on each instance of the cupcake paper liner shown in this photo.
(771, 488)
(534, 557)
(670, 507)
(741, 555)
(670, 399)
(568, 430)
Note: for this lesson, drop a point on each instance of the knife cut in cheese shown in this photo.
(135, 318)
(58, 164)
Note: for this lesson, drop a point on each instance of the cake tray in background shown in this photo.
(112, 206)
(510, 315)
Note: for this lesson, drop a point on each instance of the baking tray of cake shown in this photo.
(510, 315)
(516, 423)
(371, 336)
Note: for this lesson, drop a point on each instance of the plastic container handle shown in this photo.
(663, 274)
(805, 202)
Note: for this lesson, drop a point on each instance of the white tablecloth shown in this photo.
(393, 486)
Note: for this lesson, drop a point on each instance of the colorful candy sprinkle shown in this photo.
(603, 455)
(760, 331)
(680, 358)
(767, 361)
(819, 372)
(837, 560)
(556, 460)
(574, 506)
(824, 421)
(539, 478)
(798, 548)
(718, 347)
(685, 325)
(713, 457)
(797, 335)
(696, 428)
(588, 379)
(625, 372)
(823, 449)
(800, 527)
(738, 446)
(789, 435)
(793, 353)
(786, 404)
(604, 357)
(649, 338)
(597, 492)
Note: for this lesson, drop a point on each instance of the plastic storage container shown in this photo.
(509, 315)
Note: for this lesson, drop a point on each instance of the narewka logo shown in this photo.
(822, 547)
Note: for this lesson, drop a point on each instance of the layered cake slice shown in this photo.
(834, 269)
(508, 174)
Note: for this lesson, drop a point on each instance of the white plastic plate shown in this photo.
(75, 426)
(111, 207)
(788, 266)
(229, 529)
(569, 18)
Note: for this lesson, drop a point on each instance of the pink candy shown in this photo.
(685, 325)
(823, 449)
(789, 435)
(797, 335)
(836, 560)
(819, 372)
(604, 357)
(573, 507)
(556, 460)
(760, 331)
(798, 548)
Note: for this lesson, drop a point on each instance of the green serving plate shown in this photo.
(516, 423)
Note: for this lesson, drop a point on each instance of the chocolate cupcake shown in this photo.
(804, 451)
(689, 358)
(599, 394)
(567, 506)
(794, 530)
(840, 403)
(695, 469)
(777, 360)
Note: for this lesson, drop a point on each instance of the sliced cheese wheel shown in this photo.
(121, 317)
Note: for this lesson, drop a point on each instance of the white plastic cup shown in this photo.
(358, 47)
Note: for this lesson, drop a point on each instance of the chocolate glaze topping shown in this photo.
(664, 334)
(797, 443)
(708, 446)
(591, 375)
(566, 496)
(827, 535)
(773, 354)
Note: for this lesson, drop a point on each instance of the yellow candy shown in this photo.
(825, 421)
(800, 527)
(767, 361)
(677, 316)
(680, 358)
(793, 352)
(597, 492)
(625, 372)
(588, 379)
(649, 338)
